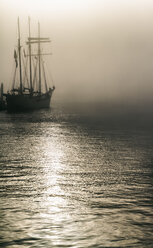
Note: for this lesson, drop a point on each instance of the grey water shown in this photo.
(76, 177)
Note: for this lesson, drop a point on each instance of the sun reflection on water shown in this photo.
(69, 185)
(53, 201)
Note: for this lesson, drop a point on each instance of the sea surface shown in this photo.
(76, 176)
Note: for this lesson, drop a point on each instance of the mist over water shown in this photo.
(75, 177)
(81, 173)
(101, 50)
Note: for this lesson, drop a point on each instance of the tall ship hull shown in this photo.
(30, 90)
(26, 102)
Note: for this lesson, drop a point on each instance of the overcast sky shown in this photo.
(102, 49)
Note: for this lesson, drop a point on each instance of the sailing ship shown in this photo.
(30, 91)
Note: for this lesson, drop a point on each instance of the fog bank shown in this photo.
(102, 50)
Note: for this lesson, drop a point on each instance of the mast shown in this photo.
(19, 49)
(39, 58)
(37, 40)
(30, 67)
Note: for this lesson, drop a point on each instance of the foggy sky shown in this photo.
(102, 49)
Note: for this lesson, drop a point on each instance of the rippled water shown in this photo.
(72, 180)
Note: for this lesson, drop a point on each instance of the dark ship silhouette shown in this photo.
(2, 100)
(32, 91)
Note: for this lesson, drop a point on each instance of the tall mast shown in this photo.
(36, 40)
(19, 49)
(30, 67)
(39, 58)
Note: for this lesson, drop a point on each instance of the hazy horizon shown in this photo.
(102, 50)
